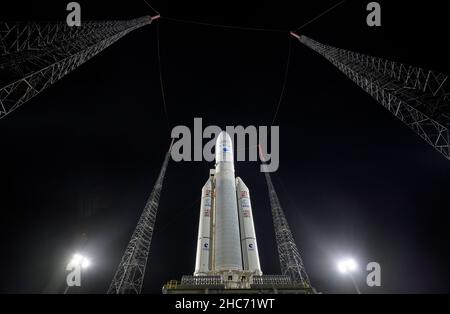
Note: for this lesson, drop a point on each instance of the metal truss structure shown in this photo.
(274, 280)
(201, 280)
(291, 262)
(418, 97)
(33, 56)
(130, 273)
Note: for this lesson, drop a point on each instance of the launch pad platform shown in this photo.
(265, 284)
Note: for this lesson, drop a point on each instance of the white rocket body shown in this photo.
(227, 250)
(226, 234)
(203, 259)
(249, 246)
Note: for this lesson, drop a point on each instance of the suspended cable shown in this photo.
(151, 7)
(161, 83)
(223, 26)
(286, 72)
(321, 14)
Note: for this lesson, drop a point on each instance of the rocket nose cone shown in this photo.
(224, 147)
(207, 184)
(224, 137)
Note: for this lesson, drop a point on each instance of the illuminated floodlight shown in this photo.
(347, 265)
(80, 260)
(85, 263)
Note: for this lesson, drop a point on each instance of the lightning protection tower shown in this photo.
(35, 55)
(130, 273)
(420, 98)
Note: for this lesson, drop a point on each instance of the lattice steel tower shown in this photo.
(291, 262)
(130, 273)
(418, 97)
(33, 56)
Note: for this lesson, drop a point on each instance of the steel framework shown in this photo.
(33, 56)
(130, 273)
(201, 280)
(291, 262)
(275, 280)
(418, 97)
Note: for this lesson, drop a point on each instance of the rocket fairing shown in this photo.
(226, 233)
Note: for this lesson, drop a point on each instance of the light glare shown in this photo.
(347, 265)
(76, 258)
(80, 260)
(85, 263)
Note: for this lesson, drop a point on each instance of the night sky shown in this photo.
(79, 161)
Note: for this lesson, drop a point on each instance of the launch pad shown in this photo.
(265, 284)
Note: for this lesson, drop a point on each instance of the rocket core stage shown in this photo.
(226, 234)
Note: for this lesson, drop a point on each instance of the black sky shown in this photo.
(79, 160)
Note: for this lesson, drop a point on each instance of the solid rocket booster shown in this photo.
(249, 246)
(227, 249)
(202, 261)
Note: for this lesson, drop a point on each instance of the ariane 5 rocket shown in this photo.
(227, 243)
